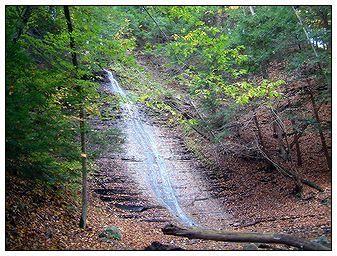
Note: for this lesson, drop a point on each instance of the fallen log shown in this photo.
(288, 173)
(243, 237)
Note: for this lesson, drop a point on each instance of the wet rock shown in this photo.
(114, 191)
(125, 198)
(117, 198)
(110, 234)
(133, 208)
(157, 246)
(236, 224)
(202, 199)
(130, 159)
(106, 198)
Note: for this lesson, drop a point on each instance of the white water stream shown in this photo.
(155, 169)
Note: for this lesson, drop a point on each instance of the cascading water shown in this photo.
(155, 164)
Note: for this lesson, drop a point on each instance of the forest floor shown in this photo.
(254, 198)
(257, 201)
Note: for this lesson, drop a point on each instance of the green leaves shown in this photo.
(42, 96)
(243, 92)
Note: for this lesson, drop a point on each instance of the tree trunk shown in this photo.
(82, 126)
(84, 172)
(279, 136)
(324, 19)
(320, 130)
(218, 18)
(258, 131)
(297, 144)
(241, 237)
(25, 14)
(305, 31)
(251, 8)
(327, 81)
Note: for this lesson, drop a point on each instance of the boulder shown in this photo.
(157, 246)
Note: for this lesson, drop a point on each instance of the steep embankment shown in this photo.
(258, 197)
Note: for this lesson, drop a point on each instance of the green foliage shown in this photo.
(265, 35)
(215, 47)
(35, 133)
(42, 96)
(243, 92)
(274, 33)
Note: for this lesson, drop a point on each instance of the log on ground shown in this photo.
(242, 237)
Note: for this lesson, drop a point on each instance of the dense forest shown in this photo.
(123, 119)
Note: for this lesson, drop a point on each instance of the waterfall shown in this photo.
(156, 171)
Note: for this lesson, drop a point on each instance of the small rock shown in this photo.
(326, 201)
(250, 247)
(49, 233)
(157, 246)
(110, 234)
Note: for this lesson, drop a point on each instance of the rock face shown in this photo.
(157, 246)
(110, 234)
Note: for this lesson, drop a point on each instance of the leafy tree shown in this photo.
(50, 78)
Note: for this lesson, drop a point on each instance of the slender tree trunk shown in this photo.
(25, 15)
(305, 31)
(297, 144)
(258, 131)
(82, 126)
(244, 10)
(324, 19)
(279, 135)
(327, 81)
(218, 18)
(84, 171)
(274, 130)
(320, 129)
(252, 11)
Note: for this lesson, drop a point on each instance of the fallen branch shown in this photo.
(241, 237)
(288, 173)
